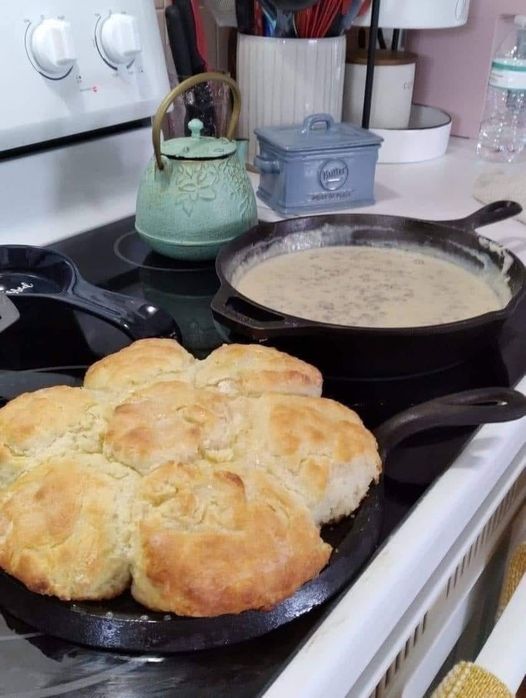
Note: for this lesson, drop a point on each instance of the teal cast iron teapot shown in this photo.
(195, 194)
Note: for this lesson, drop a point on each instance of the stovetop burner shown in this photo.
(132, 250)
(114, 257)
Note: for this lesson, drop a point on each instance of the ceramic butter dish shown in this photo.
(320, 165)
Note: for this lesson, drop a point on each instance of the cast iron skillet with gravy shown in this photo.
(340, 350)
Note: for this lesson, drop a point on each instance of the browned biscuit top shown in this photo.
(316, 447)
(213, 541)
(250, 369)
(33, 421)
(171, 421)
(65, 527)
(53, 421)
(143, 362)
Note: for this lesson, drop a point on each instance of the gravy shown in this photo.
(369, 287)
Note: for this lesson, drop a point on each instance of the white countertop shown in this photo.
(437, 189)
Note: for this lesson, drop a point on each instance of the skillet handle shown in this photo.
(133, 316)
(491, 213)
(259, 323)
(467, 408)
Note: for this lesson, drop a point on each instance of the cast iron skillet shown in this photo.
(359, 351)
(122, 624)
(27, 273)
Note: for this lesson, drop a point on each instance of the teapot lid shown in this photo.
(198, 147)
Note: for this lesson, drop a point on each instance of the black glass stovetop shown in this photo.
(59, 344)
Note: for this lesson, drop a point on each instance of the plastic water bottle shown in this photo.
(502, 135)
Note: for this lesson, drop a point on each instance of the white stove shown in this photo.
(72, 68)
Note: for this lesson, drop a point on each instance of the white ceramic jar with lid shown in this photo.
(394, 78)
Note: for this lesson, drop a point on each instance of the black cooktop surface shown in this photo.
(55, 345)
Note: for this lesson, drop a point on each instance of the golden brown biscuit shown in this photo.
(65, 527)
(213, 541)
(141, 363)
(316, 447)
(250, 369)
(51, 421)
(236, 480)
(171, 421)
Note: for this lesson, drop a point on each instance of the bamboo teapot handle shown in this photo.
(181, 89)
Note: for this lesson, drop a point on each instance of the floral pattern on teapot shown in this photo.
(195, 185)
(199, 184)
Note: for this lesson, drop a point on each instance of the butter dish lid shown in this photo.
(198, 147)
(318, 132)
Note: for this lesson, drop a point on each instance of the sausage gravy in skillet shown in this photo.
(369, 287)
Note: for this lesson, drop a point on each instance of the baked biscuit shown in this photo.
(51, 421)
(215, 541)
(144, 362)
(171, 421)
(250, 369)
(316, 447)
(65, 527)
(241, 464)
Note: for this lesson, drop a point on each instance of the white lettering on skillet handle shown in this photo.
(17, 289)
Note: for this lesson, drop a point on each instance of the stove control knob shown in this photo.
(120, 38)
(52, 47)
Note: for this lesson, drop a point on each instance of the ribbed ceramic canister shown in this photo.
(282, 81)
(394, 77)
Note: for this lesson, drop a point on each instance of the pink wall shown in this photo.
(453, 64)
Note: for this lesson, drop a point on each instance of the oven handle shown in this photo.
(504, 653)
(500, 667)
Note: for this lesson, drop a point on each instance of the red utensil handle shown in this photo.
(364, 8)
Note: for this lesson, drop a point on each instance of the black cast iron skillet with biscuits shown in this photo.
(123, 624)
(339, 350)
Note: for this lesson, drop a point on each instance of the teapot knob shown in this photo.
(196, 126)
